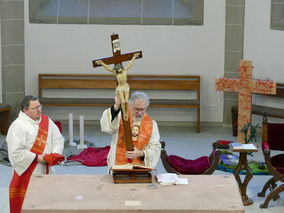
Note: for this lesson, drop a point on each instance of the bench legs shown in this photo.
(234, 112)
(5, 114)
(198, 121)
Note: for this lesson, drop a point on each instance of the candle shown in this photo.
(81, 145)
(71, 142)
(82, 130)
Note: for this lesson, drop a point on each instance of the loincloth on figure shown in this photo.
(122, 89)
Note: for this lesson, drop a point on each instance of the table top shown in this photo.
(98, 193)
(235, 146)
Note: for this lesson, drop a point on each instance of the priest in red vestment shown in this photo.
(34, 144)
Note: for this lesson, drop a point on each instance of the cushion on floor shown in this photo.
(185, 166)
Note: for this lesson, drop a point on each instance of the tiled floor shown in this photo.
(180, 140)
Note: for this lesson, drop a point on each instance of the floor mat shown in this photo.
(229, 162)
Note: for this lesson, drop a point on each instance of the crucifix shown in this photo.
(245, 86)
(117, 58)
(123, 88)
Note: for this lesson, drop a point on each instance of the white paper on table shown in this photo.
(167, 178)
(181, 181)
(249, 146)
(132, 203)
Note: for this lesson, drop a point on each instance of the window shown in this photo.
(277, 15)
(123, 12)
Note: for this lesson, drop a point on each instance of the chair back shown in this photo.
(275, 136)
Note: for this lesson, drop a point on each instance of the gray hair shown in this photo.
(26, 101)
(139, 96)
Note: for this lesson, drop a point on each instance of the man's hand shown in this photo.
(53, 158)
(40, 159)
(136, 153)
(117, 103)
(99, 62)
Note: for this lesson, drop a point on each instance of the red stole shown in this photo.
(145, 132)
(19, 184)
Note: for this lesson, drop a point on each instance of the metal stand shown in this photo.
(153, 185)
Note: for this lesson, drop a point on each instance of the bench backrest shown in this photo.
(141, 82)
(279, 91)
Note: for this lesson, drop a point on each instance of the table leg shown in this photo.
(243, 186)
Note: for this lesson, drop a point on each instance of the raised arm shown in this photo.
(100, 62)
(132, 60)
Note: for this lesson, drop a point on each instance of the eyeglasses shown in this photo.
(37, 107)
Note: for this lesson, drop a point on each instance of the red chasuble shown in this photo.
(145, 132)
(19, 184)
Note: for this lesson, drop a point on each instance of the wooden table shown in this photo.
(98, 193)
(243, 163)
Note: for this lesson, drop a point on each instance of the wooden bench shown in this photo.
(5, 113)
(260, 109)
(136, 82)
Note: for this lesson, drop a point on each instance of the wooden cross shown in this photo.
(245, 86)
(117, 58)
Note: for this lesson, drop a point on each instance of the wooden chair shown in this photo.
(203, 165)
(273, 140)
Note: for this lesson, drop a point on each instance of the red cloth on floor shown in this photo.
(92, 156)
(58, 124)
(53, 158)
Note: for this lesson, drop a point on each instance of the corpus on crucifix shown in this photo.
(245, 86)
(122, 89)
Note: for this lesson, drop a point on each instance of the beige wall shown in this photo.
(49, 50)
(265, 47)
(177, 50)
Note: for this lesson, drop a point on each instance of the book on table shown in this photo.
(130, 166)
(236, 145)
(131, 173)
(248, 146)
